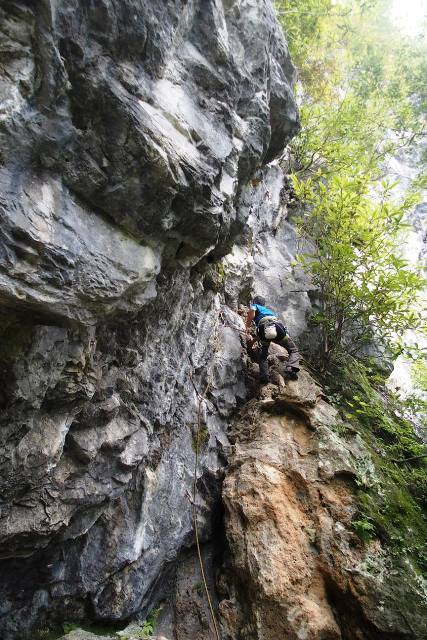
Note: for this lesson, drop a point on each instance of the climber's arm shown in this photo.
(249, 318)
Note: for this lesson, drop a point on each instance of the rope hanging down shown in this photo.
(201, 399)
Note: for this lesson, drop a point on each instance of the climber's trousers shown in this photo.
(292, 349)
(293, 356)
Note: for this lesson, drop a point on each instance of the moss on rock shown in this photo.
(394, 507)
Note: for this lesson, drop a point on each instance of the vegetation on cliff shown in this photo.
(392, 506)
(362, 95)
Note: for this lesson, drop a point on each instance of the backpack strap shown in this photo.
(267, 319)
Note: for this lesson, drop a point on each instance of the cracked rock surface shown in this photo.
(128, 130)
(140, 203)
(294, 567)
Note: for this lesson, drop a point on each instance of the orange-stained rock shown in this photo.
(295, 569)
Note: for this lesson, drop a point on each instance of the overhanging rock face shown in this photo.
(128, 130)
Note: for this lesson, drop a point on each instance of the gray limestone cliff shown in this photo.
(128, 133)
(139, 204)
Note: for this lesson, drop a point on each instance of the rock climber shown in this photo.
(269, 329)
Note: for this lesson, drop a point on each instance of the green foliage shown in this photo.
(398, 519)
(362, 94)
(365, 529)
(355, 68)
(303, 24)
(198, 587)
(70, 626)
(147, 630)
(379, 413)
(419, 374)
(221, 271)
(199, 439)
(149, 623)
(366, 289)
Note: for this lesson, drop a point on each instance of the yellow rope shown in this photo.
(196, 530)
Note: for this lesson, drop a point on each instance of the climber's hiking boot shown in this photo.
(292, 373)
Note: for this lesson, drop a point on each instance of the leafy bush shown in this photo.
(366, 289)
(362, 98)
